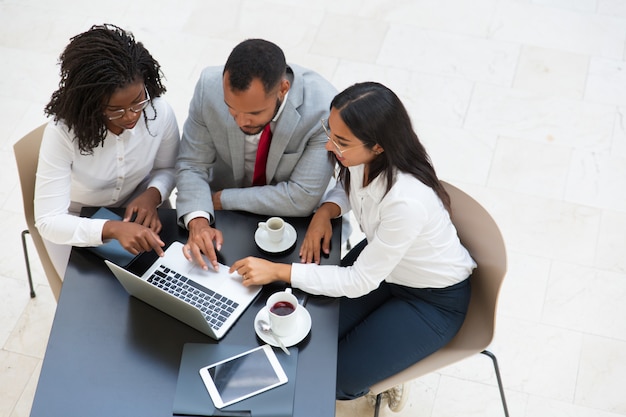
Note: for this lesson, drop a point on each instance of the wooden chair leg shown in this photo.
(27, 260)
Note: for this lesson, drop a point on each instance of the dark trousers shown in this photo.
(391, 328)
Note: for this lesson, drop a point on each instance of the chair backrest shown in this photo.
(481, 236)
(26, 152)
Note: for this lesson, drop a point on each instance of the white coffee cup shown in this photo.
(282, 309)
(275, 228)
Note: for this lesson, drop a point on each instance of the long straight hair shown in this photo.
(375, 115)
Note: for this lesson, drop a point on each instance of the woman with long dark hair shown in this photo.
(405, 288)
(113, 142)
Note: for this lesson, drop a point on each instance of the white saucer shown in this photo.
(303, 328)
(289, 238)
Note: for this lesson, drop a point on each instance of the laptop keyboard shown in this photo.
(215, 307)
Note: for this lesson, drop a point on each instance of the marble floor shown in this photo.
(521, 103)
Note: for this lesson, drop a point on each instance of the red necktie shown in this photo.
(261, 157)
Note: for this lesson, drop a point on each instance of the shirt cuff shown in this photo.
(194, 214)
(164, 183)
(339, 199)
(94, 232)
(298, 272)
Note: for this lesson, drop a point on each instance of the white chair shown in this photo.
(482, 238)
(26, 152)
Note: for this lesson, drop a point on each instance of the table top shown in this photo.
(110, 354)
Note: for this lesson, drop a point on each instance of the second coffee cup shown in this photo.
(275, 228)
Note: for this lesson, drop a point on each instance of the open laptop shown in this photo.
(208, 301)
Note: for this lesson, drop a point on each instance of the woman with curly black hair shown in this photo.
(113, 142)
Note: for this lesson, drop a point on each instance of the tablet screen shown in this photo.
(243, 376)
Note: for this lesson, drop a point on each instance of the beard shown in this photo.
(255, 130)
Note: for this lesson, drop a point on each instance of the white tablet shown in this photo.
(242, 376)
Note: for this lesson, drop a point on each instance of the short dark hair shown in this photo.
(93, 65)
(255, 58)
(375, 115)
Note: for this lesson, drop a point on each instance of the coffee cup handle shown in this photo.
(261, 225)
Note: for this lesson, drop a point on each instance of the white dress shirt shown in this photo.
(251, 145)
(411, 241)
(67, 180)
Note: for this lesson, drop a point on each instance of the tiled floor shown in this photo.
(520, 102)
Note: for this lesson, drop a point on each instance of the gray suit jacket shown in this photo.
(211, 156)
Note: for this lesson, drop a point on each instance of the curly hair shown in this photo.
(375, 115)
(93, 66)
(255, 58)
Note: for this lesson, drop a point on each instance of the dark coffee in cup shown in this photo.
(282, 308)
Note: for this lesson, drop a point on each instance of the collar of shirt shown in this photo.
(280, 109)
(376, 189)
(252, 142)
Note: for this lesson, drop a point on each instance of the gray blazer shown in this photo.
(211, 156)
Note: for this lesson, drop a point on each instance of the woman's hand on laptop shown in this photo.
(201, 238)
(133, 237)
(257, 271)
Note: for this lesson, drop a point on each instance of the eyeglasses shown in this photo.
(136, 108)
(338, 151)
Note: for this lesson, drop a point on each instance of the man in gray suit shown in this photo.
(218, 164)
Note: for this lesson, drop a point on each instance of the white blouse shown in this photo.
(411, 241)
(68, 180)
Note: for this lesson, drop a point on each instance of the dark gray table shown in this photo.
(110, 354)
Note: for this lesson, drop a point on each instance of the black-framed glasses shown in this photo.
(337, 149)
(135, 108)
